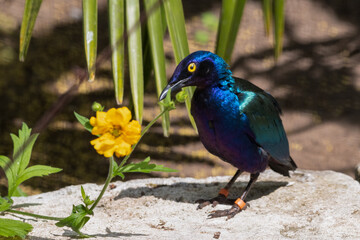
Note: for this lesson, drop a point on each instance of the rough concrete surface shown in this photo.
(309, 205)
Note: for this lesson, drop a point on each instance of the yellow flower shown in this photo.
(117, 132)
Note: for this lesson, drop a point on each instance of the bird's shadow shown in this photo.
(191, 192)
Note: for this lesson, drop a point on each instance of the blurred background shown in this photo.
(316, 81)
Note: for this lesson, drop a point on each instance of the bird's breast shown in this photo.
(223, 129)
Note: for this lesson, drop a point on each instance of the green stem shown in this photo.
(108, 179)
(169, 107)
(34, 215)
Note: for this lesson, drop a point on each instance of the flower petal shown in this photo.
(132, 132)
(119, 117)
(104, 145)
(100, 125)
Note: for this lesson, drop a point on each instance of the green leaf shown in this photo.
(176, 23)
(14, 228)
(19, 193)
(156, 35)
(267, 12)
(90, 15)
(135, 56)
(144, 167)
(83, 193)
(86, 198)
(4, 204)
(84, 121)
(77, 219)
(31, 11)
(10, 171)
(16, 172)
(279, 24)
(36, 171)
(231, 13)
(117, 27)
(23, 145)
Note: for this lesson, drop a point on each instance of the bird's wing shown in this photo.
(262, 112)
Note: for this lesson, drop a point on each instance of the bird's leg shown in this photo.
(222, 196)
(239, 204)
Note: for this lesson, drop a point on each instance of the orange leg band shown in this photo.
(224, 192)
(240, 203)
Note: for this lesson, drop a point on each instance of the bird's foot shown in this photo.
(214, 201)
(238, 206)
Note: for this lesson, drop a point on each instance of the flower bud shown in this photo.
(97, 107)
(181, 96)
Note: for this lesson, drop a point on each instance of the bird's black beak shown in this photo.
(175, 87)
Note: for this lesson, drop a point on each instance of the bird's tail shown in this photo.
(281, 168)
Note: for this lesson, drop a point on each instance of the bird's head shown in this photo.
(200, 69)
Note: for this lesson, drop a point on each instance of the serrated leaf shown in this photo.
(31, 11)
(135, 56)
(4, 204)
(156, 34)
(84, 121)
(144, 167)
(14, 228)
(86, 198)
(23, 145)
(117, 27)
(90, 15)
(77, 219)
(36, 171)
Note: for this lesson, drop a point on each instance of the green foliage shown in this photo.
(14, 228)
(79, 215)
(4, 204)
(143, 167)
(77, 219)
(132, 8)
(156, 28)
(176, 24)
(16, 171)
(86, 198)
(31, 10)
(90, 13)
(274, 15)
(279, 24)
(117, 27)
(231, 13)
(84, 121)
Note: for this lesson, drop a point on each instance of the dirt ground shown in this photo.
(316, 81)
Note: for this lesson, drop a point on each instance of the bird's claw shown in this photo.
(214, 201)
(230, 213)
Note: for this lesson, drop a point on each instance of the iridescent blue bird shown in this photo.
(236, 120)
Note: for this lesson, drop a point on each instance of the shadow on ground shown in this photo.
(189, 192)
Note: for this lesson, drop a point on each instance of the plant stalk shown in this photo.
(34, 215)
(108, 179)
(167, 108)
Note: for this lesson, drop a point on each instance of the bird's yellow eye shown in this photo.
(192, 67)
